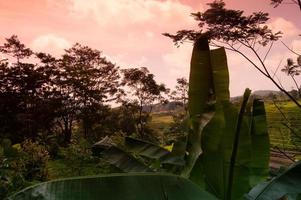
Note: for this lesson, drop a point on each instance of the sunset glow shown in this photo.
(129, 33)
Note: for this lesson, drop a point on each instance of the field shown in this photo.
(280, 135)
(284, 128)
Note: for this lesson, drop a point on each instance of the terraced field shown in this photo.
(280, 135)
(284, 128)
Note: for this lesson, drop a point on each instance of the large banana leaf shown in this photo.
(220, 74)
(288, 183)
(217, 144)
(260, 144)
(200, 92)
(122, 160)
(200, 78)
(154, 151)
(213, 166)
(229, 140)
(116, 187)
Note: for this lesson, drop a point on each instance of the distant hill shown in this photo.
(168, 107)
(266, 95)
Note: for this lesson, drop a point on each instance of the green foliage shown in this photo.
(287, 184)
(41, 94)
(144, 92)
(117, 187)
(222, 141)
(35, 157)
(224, 168)
(13, 169)
(76, 156)
(225, 149)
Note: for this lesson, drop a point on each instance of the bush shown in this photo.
(11, 169)
(77, 155)
(35, 158)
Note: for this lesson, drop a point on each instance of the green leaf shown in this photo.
(200, 78)
(287, 183)
(260, 144)
(220, 74)
(199, 95)
(124, 161)
(218, 143)
(179, 147)
(153, 151)
(116, 187)
(235, 147)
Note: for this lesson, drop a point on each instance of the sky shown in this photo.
(129, 33)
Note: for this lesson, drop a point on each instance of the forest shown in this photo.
(80, 126)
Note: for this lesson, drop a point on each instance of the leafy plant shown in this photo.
(35, 157)
(11, 169)
(236, 139)
(286, 185)
(225, 152)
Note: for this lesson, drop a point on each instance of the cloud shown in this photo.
(178, 60)
(50, 43)
(124, 13)
(288, 28)
(296, 46)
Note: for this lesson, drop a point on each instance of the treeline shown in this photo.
(42, 96)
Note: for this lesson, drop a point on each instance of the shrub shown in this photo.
(35, 158)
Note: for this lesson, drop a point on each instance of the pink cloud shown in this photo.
(50, 43)
(129, 32)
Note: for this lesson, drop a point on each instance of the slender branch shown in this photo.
(250, 61)
(285, 154)
(296, 84)
(260, 60)
(267, 74)
(277, 68)
(291, 50)
(266, 55)
(287, 121)
(280, 82)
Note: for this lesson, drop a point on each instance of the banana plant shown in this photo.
(225, 152)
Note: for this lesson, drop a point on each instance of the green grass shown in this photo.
(161, 122)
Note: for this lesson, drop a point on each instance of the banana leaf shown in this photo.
(212, 167)
(124, 161)
(199, 94)
(153, 151)
(116, 187)
(220, 74)
(217, 143)
(287, 183)
(260, 144)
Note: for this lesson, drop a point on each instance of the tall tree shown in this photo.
(243, 34)
(87, 80)
(23, 87)
(144, 92)
(180, 93)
